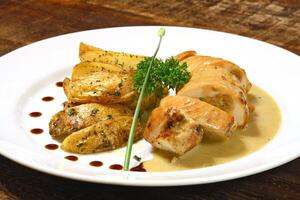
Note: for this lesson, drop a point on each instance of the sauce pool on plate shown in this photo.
(51, 146)
(71, 158)
(116, 167)
(263, 126)
(36, 131)
(48, 98)
(59, 84)
(139, 168)
(96, 163)
(35, 114)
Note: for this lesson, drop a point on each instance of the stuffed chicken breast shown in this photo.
(177, 125)
(220, 83)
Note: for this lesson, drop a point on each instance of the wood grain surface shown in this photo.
(25, 21)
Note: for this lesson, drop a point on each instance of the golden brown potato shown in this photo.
(93, 54)
(83, 48)
(105, 84)
(99, 83)
(117, 89)
(103, 136)
(72, 119)
(86, 69)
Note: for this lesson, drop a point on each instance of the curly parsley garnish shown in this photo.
(168, 74)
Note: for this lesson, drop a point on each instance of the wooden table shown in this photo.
(26, 21)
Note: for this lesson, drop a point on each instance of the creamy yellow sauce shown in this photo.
(263, 125)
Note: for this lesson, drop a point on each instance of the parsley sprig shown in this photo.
(153, 76)
(168, 74)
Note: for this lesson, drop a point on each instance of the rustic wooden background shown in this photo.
(25, 21)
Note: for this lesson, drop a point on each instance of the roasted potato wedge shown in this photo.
(103, 136)
(86, 69)
(93, 54)
(99, 83)
(104, 83)
(72, 119)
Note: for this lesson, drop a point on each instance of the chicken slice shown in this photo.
(212, 119)
(177, 125)
(217, 87)
(196, 61)
(74, 118)
(103, 136)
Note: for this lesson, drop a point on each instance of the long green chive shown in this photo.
(161, 33)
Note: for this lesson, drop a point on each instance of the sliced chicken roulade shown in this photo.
(218, 82)
(215, 87)
(196, 61)
(177, 125)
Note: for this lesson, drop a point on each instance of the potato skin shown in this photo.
(94, 54)
(74, 118)
(93, 82)
(103, 136)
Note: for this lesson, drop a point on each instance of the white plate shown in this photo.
(30, 73)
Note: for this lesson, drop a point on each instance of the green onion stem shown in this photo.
(161, 33)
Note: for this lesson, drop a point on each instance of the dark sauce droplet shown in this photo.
(59, 84)
(116, 167)
(72, 158)
(48, 98)
(51, 146)
(35, 114)
(36, 131)
(139, 168)
(96, 163)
